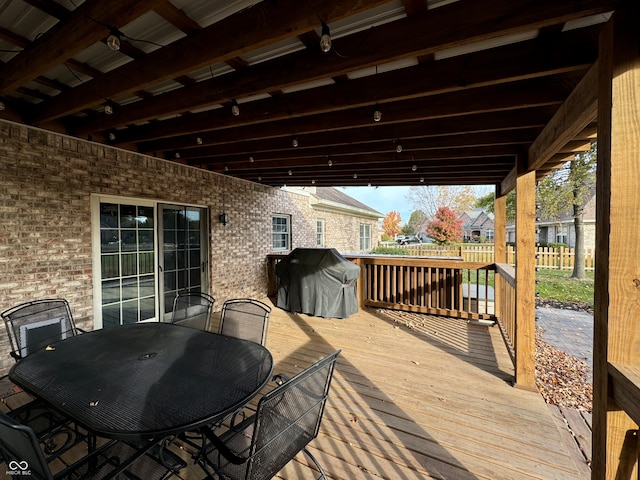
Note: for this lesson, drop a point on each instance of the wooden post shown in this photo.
(499, 244)
(617, 291)
(525, 277)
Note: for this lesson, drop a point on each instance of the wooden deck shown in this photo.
(432, 400)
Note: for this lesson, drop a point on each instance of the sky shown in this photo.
(386, 199)
(383, 199)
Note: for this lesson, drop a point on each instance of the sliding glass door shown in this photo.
(145, 254)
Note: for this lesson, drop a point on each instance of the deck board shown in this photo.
(429, 400)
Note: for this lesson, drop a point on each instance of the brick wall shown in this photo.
(46, 183)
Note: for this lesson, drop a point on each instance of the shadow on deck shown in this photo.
(418, 396)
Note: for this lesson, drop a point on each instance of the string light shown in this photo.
(414, 167)
(177, 154)
(325, 39)
(199, 140)
(421, 179)
(377, 114)
(295, 142)
(398, 147)
(313, 182)
(329, 162)
(355, 175)
(235, 108)
(290, 172)
(112, 136)
(113, 40)
(2, 106)
(108, 109)
(251, 159)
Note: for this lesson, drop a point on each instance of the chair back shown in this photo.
(193, 310)
(245, 318)
(288, 418)
(34, 325)
(21, 451)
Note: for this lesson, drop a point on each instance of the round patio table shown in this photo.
(145, 380)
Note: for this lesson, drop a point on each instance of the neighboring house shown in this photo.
(477, 226)
(563, 230)
(342, 222)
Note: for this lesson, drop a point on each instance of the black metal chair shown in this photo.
(286, 420)
(21, 453)
(193, 310)
(245, 318)
(34, 325)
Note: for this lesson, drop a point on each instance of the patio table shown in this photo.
(146, 380)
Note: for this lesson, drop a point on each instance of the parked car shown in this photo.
(408, 239)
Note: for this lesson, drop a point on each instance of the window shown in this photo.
(281, 232)
(320, 232)
(489, 234)
(561, 234)
(365, 237)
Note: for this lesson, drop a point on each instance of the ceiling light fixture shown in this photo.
(398, 146)
(112, 136)
(355, 175)
(313, 182)
(235, 108)
(177, 154)
(414, 167)
(421, 179)
(290, 172)
(199, 140)
(113, 40)
(108, 109)
(325, 39)
(329, 162)
(251, 159)
(377, 114)
(295, 142)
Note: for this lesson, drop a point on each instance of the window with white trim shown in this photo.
(365, 237)
(281, 232)
(320, 232)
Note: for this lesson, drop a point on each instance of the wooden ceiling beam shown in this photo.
(51, 8)
(527, 93)
(575, 51)
(471, 140)
(271, 23)
(392, 158)
(68, 38)
(176, 17)
(459, 126)
(576, 113)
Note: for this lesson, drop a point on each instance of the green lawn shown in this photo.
(556, 285)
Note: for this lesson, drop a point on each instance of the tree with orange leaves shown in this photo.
(391, 223)
(446, 227)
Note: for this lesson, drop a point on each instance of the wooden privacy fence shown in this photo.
(560, 258)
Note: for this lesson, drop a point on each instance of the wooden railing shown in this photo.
(440, 286)
(506, 305)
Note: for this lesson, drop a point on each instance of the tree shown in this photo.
(487, 203)
(446, 227)
(391, 223)
(415, 220)
(569, 188)
(428, 198)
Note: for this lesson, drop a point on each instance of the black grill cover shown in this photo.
(318, 282)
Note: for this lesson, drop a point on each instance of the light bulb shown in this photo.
(2, 106)
(325, 39)
(290, 172)
(235, 108)
(421, 179)
(177, 154)
(377, 114)
(294, 142)
(330, 163)
(259, 179)
(250, 158)
(112, 136)
(226, 169)
(313, 182)
(199, 140)
(414, 167)
(108, 109)
(398, 147)
(113, 42)
(355, 175)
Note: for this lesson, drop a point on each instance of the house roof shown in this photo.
(463, 86)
